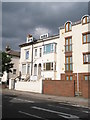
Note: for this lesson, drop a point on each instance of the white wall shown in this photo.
(32, 86)
(4, 77)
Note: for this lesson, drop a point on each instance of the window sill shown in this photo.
(68, 71)
(86, 63)
(49, 53)
(68, 31)
(86, 43)
(85, 23)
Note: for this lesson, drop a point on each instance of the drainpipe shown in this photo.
(32, 60)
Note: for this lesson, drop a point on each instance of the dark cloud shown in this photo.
(19, 19)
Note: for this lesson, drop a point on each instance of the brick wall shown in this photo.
(85, 88)
(59, 87)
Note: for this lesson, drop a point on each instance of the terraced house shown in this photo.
(65, 56)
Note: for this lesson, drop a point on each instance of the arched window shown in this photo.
(85, 19)
(68, 27)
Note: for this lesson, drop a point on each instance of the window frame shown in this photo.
(24, 70)
(40, 52)
(27, 57)
(67, 24)
(52, 48)
(68, 77)
(85, 55)
(87, 77)
(86, 33)
(69, 63)
(69, 45)
(35, 52)
(14, 71)
(51, 66)
(86, 20)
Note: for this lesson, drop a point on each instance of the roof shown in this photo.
(40, 40)
(13, 53)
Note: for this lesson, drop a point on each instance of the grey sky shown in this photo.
(21, 18)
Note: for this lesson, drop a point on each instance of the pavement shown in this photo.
(73, 101)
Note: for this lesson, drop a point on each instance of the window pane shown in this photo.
(48, 48)
(40, 52)
(70, 77)
(24, 68)
(89, 77)
(66, 48)
(84, 58)
(43, 66)
(28, 68)
(14, 71)
(84, 38)
(87, 19)
(70, 48)
(67, 68)
(86, 77)
(27, 54)
(70, 67)
(35, 52)
(70, 59)
(70, 41)
(66, 41)
(88, 57)
(47, 66)
(84, 19)
(67, 27)
(88, 37)
(52, 46)
(66, 59)
(67, 78)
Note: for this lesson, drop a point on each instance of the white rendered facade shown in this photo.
(41, 59)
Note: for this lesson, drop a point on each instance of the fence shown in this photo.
(59, 87)
(32, 86)
(85, 88)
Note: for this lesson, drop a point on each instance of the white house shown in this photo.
(39, 58)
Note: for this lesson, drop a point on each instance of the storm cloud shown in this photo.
(22, 18)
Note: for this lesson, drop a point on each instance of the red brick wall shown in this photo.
(85, 88)
(58, 87)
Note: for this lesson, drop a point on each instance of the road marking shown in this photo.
(20, 99)
(68, 108)
(65, 115)
(58, 106)
(32, 115)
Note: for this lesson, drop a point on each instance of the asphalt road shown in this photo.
(16, 106)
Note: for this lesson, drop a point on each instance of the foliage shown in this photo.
(6, 63)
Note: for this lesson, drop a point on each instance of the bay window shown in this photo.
(49, 48)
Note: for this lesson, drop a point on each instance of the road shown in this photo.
(16, 106)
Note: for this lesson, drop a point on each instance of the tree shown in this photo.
(6, 63)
